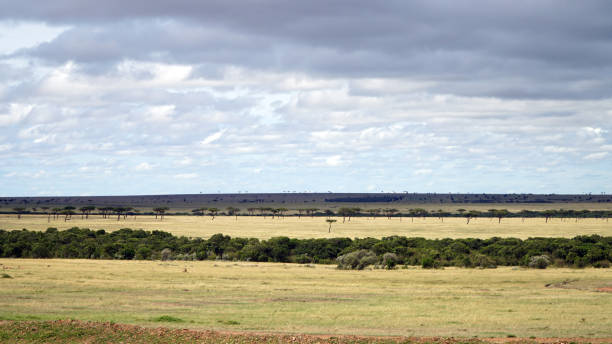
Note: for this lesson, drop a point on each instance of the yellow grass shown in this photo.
(307, 227)
(315, 299)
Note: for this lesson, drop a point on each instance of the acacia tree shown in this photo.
(88, 210)
(311, 211)
(330, 221)
(46, 210)
(160, 211)
(19, 211)
(390, 212)
(68, 212)
(372, 212)
(56, 212)
(233, 211)
(213, 212)
(471, 214)
(300, 211)
(281, 212)
(548, 214)
(500, 214)
(83, 210)
(345, 212)
(119, 211)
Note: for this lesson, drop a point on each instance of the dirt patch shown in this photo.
(605, 289)
(73, 331)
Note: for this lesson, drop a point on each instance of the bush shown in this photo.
(166, 254)
(601, 264)
(539, 262)
(482, 261)
(427, 262)
(356, 260)
(389, 260)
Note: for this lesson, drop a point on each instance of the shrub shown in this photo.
(168, 318)
(601, 264)
(389, 260)
(356, 260)
(166, 254)
(482, 261)
(6, 276)
(539, 262)
(427, 262)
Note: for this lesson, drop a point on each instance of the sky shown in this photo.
(168, 97)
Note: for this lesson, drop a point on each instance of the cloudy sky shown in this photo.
(155, 97)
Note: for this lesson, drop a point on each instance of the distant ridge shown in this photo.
(192, 200)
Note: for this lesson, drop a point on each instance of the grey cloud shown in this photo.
(561, 47)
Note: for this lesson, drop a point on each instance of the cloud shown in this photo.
(186, 176)
(213, 137)
(596, 156)
(143, 166)
(267, 95)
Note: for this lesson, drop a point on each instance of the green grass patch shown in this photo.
(168, 318)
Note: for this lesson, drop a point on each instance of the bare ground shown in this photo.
(74, 331)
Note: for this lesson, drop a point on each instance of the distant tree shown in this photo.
(89, 209)
(251, 210)
(548, 214)
(345, 212)
(19, 211)
(213, 212)
(46, 210)
(471, 214)
(160, 211)
(233, 211)
(118, 211)
(498, 213)
(300, 211)
(390, 212)
(197, 211)
(372, 212)
(83, 210)
(281, 211)
(68, 212)
(330, 221)
(312, 211)
(56, 212)
(126, 211)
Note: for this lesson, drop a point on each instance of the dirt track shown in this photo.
(74, 331)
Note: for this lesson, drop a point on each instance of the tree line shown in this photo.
(580, 251)
(345, 212)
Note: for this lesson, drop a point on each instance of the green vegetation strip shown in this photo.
(127, 244)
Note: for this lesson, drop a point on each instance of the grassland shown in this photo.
(312, 299)
(307, 227)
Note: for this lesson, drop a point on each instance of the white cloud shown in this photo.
(213, 137)
(335, 160)
(186, 176)
(422, 172)
(161, 113)
(596, 156)
(143, 166)
(16, 113)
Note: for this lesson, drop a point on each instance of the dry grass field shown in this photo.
(292, 298)
(307, 227)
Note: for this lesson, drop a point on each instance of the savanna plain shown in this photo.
(506, 302)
